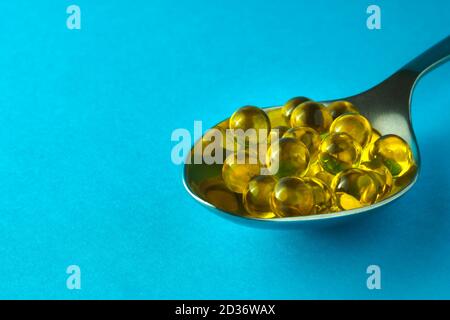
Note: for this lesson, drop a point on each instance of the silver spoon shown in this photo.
(387, 106)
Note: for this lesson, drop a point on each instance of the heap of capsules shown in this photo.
(330, 159)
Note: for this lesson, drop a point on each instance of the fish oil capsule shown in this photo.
(365, 156)
(238, 169)
(308, 136)
(289, 157)
(355, 125)
(355, 188)
(338, 108)
(290, 105)
(395, 154)
(256, 196)
(278, 131)
(316, 171)
(250, 118)
(323, 196)
(311, 114)
(292, 197)
(337, 152)
(381, 174)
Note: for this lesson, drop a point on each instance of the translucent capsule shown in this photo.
(256, 196)
(355, 188)
(381, 174)
(315, 170)
(394, 152)
(355, 125)
(365, 156)
(308, 136)
(406, 179)
(338, 151)
(311, 114)
(292, 197)
(278, 131)
(339, 108)
(289, 157)
(290, 105)
(323, 196)
(248, 122)
(238, 169)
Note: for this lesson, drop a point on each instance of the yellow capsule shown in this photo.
(238, 169)
(217, 193)
(315, 170)
(278, 131)
(355, 125)
(355, 188)
(311, 114)
(365, 155)
(323, 196)
(289, 157)
(308, 136)
(338, 151)
(394, 152)
(290, 105)
(292, 197)
(381, 174)
(256, 196)
(406, 179)
(338, 108)
(248, 122)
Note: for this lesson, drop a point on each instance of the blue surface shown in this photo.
(85, 169)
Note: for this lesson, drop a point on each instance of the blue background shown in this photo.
(85, 171)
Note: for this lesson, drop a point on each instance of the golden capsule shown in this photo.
(311, 114)
(278, 131)
(289, 157)
(308, 136)
(355, 188)
(323, 196)
(365, 155)
(292, 197)
(238, 169)
(381, 174)
(406, 179)
(355, 125)
(338, 108)
(315, 170)
(256, 196)
(394, 152)
(338, 151)
(290, 105)
(248, 122)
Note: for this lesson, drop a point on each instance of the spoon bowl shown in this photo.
(386, 106)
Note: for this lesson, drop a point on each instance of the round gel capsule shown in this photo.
(338, 151)
(316, 171)
(308, 136)
(381, 174)
(311, 114)
(290, 105)
(355, 125)
(277, 132)
(395, 154)
(256, 196)
(292, 197)
(323, 196)
(250, 120)
(355, 188)
(238, 169)
(365, 155)
(338, 108)
(289, 157)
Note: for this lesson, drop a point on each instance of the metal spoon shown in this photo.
(387, 106)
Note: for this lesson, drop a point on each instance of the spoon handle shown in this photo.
(434, 56)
